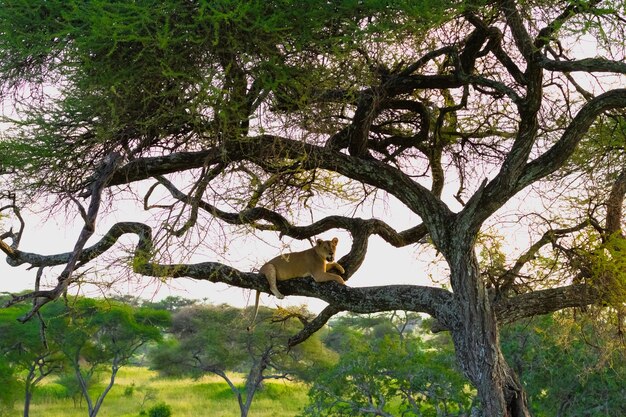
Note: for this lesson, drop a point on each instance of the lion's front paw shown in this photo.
(337, 268)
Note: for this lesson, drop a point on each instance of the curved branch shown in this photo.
(17, 257)
(265, 149)
(360, 229)
(495, 46)
(554, 158)
(313, 326)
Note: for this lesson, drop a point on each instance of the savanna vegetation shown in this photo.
(372, 365)
(174, 130)
(139, 389)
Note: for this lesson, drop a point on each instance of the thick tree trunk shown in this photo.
(477, 344)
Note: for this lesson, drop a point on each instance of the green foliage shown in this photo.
(392, 373)
(170, 303)
(216, 337)
(609, 269)
(71, 386)
(96, 335)
(567, 366)
(146, 74)
(209, 339)
(160, 410)
(49, 391)
(100, 330)
(26, 357)
(11, 388)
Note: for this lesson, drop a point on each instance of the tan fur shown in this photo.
(314, 262)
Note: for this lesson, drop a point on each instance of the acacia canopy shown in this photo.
(250, 113)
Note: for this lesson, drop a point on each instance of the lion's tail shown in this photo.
(256, 310)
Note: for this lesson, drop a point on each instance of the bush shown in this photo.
(52, 391)
(129, 390)
(160, 410)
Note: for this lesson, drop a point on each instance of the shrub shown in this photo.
(160, 410)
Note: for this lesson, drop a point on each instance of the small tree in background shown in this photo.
(214, 340)
(95, 335)
(26, 353)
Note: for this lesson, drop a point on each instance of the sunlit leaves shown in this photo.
(568, 365)
(385, 368)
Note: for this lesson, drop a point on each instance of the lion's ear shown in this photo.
(335, 240)
(319, 241)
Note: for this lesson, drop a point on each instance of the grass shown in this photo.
(209, 396)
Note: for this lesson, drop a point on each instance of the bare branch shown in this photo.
(588, 65)
(313, 326)
(550, 236)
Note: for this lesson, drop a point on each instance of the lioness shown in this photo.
(312, 262)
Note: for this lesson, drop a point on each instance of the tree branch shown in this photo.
(535, 303)
(555, 157)
(614, 204)
(508, 277)
(313, 326)
(588, 65)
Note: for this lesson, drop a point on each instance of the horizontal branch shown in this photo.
(438, 303)
(143, 168)
(588, 65)
(547, 301)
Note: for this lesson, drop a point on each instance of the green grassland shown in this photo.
(209, 396)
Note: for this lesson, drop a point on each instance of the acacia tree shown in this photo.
(27, 352)
(215, 340)
(251, 113)
(96, 336)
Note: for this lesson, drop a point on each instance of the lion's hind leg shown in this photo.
(269, 271)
